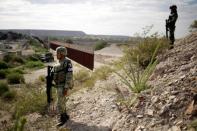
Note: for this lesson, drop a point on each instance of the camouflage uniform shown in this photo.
(63, 77)
(171, 22)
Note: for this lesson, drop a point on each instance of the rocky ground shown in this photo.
(171, 104)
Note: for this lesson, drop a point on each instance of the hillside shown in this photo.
(45, 33)
(171, 104)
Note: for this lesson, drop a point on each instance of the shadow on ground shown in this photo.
(74, 126)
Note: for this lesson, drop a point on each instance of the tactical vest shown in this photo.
(61, 72)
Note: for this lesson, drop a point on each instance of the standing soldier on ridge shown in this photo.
(63, 77)
(170, 23)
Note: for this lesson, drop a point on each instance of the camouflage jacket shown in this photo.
(63, 74)
(172, 19)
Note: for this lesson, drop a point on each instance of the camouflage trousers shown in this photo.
(61, 100)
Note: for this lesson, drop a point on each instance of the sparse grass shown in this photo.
(42, 78)
(31, 100)
(102, 73)
(15, 78)
(193, 125)
(3, 88)
(6, 93)
(34, 64)
(127, 102)
(84, 78)
(81, 76)
(9, 95)
(19, 122)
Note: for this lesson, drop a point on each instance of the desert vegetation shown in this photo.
(139, 61)
(100, 45)
(193, 26)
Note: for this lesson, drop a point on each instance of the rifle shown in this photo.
(167, 26)
(49, 80)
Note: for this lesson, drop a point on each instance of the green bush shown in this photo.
(34, 64)
(15, 78)
(136, 78)
(3, 88)
(3, 74)
(34, 57)
(100, 45)
(18, 59)
(7, 58)
(3, 65)
(9, 95)
(143, 52)
(19, 71)
(194, 25)
(69, 41)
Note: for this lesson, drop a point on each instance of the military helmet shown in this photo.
(173, 7)
(62, 50)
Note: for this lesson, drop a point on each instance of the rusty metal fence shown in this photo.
(83, 56)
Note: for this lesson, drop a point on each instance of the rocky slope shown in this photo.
(171, 104)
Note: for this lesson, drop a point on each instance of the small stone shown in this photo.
(182, 77)
(180, 122)
(140, 128)
(149, 112)
(175, 100)
(154, 99)
(175, 128)
(164, 109)
(120, 117)
(113, 106)
(140, 116)
(174, 92)
(172, 97)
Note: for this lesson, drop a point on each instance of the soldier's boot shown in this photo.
(64, 117)
(171, 44)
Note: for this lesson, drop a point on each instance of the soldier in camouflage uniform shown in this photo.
(63, 77)
(171, 23)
